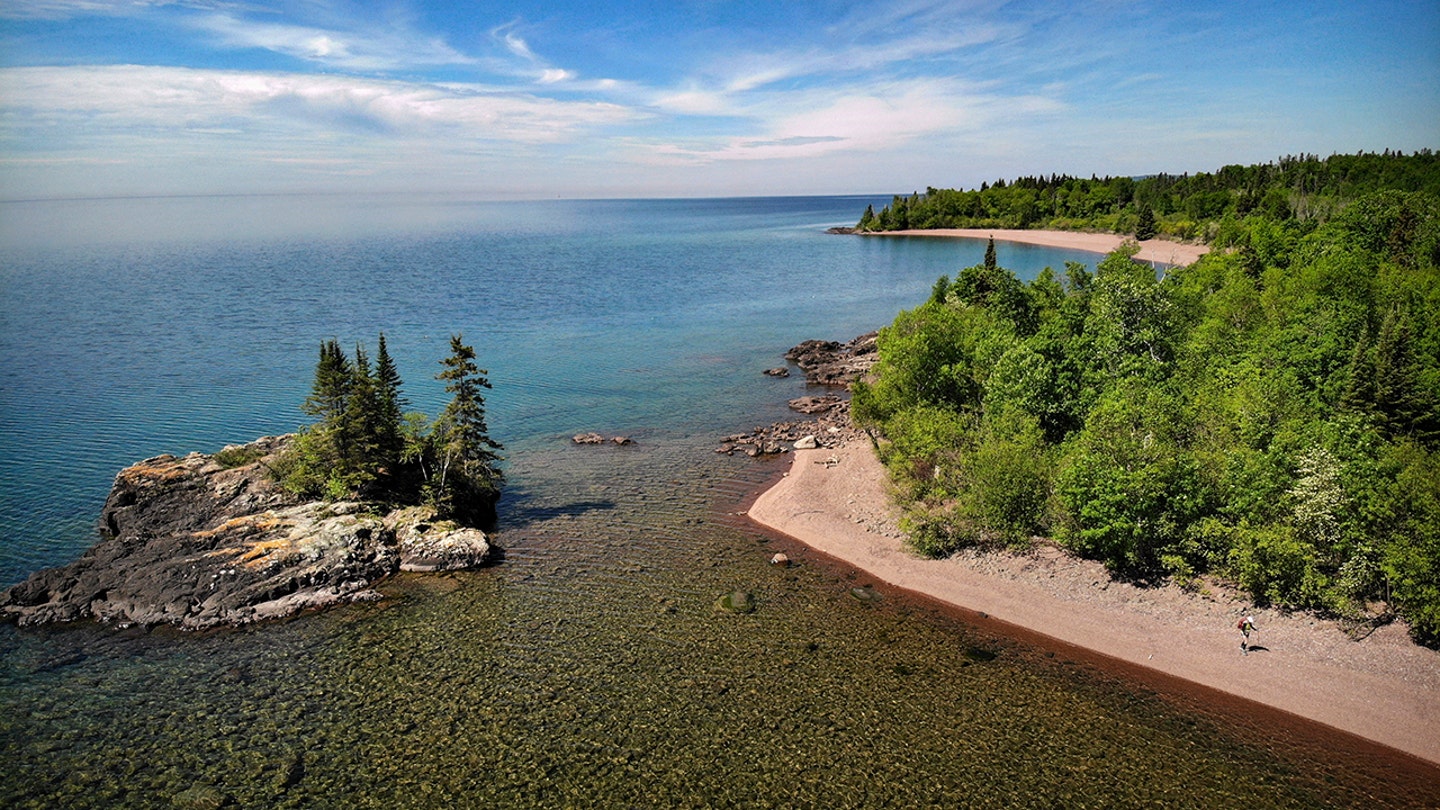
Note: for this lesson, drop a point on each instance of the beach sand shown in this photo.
(1383, 688)
(1151, 250)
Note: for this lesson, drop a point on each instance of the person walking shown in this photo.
(1245, 626)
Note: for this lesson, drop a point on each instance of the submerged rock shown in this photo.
(596, 438)
(736, 602)
(191, 542)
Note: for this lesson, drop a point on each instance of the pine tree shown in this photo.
(1402, 405)
(990, 262)
(867, 220)
(361, 425)
(1145, 229)
(1360, 390)
(331, 389)
(467, 476)
(328, 400)
(391, 404)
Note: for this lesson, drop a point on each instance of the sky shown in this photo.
(665, 98)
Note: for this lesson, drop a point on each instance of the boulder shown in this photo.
(777, 372)
(588, 438)
(429, 544)
(806, 443)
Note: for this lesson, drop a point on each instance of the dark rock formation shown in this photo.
(190, 542)
(779, 371)
(832, 429)
(829, 362)
(811, 405)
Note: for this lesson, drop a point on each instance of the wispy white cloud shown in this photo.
(66, 9)
(361, 48)
(531, 66)
(866, 117)
(170, 102)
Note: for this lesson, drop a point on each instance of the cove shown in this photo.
(589, 667)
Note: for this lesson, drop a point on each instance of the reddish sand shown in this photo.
(1383, 688)
(1151, 250)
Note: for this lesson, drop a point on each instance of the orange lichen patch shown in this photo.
(245, 524)
(153, 471)
(259, 553)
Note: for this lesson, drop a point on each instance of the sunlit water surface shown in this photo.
(589, 667)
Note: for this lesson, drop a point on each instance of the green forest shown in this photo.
(364, 445)
(1268, 415)
(1206, 207)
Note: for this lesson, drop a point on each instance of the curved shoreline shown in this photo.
(1384, 688)
(1151, 250)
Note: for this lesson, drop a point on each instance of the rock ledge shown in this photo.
(194, 543)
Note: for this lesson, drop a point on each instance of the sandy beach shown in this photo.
(1383, 688)
(1151, 250)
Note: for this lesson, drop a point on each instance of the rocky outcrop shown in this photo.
(813, 405)
(829, 362)
(825, 362)
(832, 429)
(191, 542)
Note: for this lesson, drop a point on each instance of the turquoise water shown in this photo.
(588, 668)
(135, 327)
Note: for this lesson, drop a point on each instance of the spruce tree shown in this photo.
(361, 425)
(467, 477)
(331, 389)
(391, 404)
(990, 262)
(1145, 229)
(867, 220)
(328, 400)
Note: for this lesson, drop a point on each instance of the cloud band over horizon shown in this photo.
(104, 98)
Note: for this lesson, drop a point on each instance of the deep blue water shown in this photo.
(129, 328)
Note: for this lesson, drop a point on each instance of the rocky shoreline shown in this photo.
(198, 543)
(825, 363)
(205, 541)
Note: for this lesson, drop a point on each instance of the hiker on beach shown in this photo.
(1245, 625)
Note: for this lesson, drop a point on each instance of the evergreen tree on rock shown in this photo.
(467, 480)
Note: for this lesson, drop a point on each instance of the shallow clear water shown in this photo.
(590, 667)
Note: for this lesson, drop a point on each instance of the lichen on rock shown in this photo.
(197, 543)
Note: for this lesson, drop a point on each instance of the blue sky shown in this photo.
(690, 97)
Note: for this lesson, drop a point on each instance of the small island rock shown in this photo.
(196, 543)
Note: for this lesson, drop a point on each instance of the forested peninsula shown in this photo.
(1267, 415)
(1211, 207)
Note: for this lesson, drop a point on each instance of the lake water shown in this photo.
(589, 668)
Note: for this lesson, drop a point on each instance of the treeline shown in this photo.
(365, 445)
(1210, 207)
(1269, 414)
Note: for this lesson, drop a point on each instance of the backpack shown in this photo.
(1240, 625)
